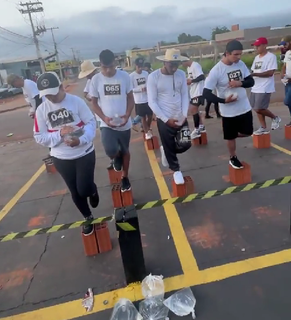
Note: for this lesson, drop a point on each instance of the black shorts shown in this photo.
(197, 101)
(240, 124)
(143, 109)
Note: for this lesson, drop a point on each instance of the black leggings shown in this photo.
(79, 177)
(216, 108)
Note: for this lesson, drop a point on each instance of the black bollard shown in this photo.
(129, 238)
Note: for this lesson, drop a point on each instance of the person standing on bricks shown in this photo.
(30, 91)
(113, 102)
(263, 69)
(195, 80)
(169, 99)
(230, 77)
(286, 75)
(66, 124)
(139, 83)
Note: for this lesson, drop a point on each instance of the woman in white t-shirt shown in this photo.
(67, 125)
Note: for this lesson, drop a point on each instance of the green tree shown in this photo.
(166, 43)
(187, 38)
(218, 30)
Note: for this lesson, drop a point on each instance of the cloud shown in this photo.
(118, 30)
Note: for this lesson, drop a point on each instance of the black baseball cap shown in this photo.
(233, 45)
(48, 84)
(139, 62)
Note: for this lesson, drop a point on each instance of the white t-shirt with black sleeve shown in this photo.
(139, 82)
(219, 77)
(194, 71)
(112, 95)
(262, 64)
(51, 117)
(287, 60)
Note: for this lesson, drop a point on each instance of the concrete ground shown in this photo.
(233, 251)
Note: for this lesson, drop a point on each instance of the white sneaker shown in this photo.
(148, 135)
(261, 131)
(163, 157)
(276, 123)
(178, 177)
(202, 128)
(195, 134)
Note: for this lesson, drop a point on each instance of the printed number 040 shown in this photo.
(61, 115)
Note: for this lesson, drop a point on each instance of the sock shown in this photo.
(196, 119)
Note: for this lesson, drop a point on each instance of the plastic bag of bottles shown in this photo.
(116, 120)
(153, 286)
(182, 303)
(153, 309)
(125, 310)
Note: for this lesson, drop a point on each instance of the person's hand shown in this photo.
(125, 120)
(235, 84)
(32, 115)
(72, 142)
(172, 123)
(189, 81)
(230, 99)
(108, 120)
(66, 130)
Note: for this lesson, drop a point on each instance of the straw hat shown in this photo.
(172, 55)
(87, 67)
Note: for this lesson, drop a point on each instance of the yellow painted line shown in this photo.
(12, 202)
(184, 251)
(275, 146)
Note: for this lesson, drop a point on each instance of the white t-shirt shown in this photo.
(287, 60)
(168, 95)
(30, 91)
(194, 71)
(219, 78)
(51, 117)
(139, 81)
(87, 90)
(112, 95)
(262, 64)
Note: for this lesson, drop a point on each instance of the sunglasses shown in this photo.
(174, 64)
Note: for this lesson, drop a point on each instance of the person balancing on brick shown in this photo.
(230, 77)
(168, 98)
(263, 69)
(65, 123)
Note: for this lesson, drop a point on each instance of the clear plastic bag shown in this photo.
(153, 309)
(125, 310)
(182, 303)
(153, 286)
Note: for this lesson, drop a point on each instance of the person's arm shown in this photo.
(247, 82)
(211, 97)
(197, 72)
(41, 134)
(94, 94)
(184, 96)
(152, 91)
(283, 70)
(89, 121)
(210, 84)
(198, 79)
(129, 98)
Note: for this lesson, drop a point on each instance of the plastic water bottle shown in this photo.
(116, 121)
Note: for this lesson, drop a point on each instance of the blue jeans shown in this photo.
(287, 100)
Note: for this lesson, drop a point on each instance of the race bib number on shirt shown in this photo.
(112, 90)
(258, 65)
(60, 117)
(141, 81)
(185, 134)
(235, 75)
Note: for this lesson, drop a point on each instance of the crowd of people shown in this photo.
(65, 123)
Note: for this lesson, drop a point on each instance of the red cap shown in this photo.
(260, 41)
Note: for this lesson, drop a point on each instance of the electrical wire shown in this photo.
(13, 33)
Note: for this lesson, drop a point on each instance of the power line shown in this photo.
(34, 7)
(13, 33)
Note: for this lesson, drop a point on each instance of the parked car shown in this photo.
(6, 91)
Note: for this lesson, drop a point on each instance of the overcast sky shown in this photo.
(90, 25)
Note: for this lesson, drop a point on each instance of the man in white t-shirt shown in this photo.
(230, 77)
(139, 83)
(30, 91)
(113, 102)
(263, 68)
(286, 75)
(169, 100)
(196, 82)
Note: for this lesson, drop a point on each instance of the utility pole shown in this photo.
(33, 7)
(56, 50)
(74, 55)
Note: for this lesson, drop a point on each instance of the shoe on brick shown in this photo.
(235, 163)
(148, 135)
(94, 200)
(117, 163)
(195, 134)
(125, 184)
(261, 131)
(202, 128)
(178, 177)
(89, 228)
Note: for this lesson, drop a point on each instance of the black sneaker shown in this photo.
(125, 184)
(235, 163)
(88, 229)
(117, 163)
(110, 167)
(94, 200)
(208, 117)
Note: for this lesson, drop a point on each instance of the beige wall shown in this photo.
(239, 34)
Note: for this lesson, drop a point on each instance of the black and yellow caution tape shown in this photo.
(148, 205)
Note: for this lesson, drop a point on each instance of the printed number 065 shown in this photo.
(112, 88)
